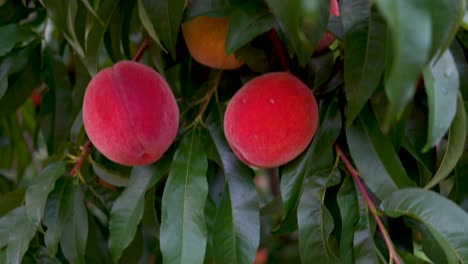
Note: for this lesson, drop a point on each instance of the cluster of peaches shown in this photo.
(131, 116)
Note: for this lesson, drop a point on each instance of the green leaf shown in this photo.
(56, 212)
(364, 59)
(247, 21)
(183, 231)
(443, 217)
(11, 200)
(441, 82)
(348, 204)
(11, 35)
(446, 17)
(315, 221)
(13, 63)
(128, 209)
(37, 192)
(375, 157)
(236, 234)
(112, 177)
(63, 14)
(95, 34)
(16, 242)
(147, 24)
(166, 17)
(455, 145)
(56, 107)
(303, 22)
(364, 250)
(316, 158)
(410, 26)
(150, 217)
(212, 8)
(73, 240)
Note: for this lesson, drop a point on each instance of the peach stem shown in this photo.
(86, 150)
(355, 174)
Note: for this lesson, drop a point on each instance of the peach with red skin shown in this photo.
(130, 113)
(271, 120)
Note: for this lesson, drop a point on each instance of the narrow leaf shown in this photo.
(146, 22)
(365, 45)
(348, 204)
(111, 177)
(237, 228)
(364, 250)
(183, 230)
(304, 23)
(410, 26)
(37, 192)
(247, 21)
(441, 82)
(166, 17)
(128, 209)
(315, 221)
(316, 158)
(54, 215)
(443, 217)
(455, 145)
(73, 240)
(375, 157)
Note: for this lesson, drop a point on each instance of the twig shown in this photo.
(279, 48)
(274, 181)
(355, 174)
(142, 49)
(86, 150)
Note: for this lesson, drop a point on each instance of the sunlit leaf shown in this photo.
(236, 233)
(455, 145)
(183, 231)
(435, 211)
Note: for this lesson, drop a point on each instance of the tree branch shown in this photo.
(355, 174)
(142, 49)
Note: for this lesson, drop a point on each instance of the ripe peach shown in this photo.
(130, 113)
(205, 38)
(271, 120)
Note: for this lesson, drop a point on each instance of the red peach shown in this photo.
(130, 113)
(271, 120)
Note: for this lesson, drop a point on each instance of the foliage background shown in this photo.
(393, 95)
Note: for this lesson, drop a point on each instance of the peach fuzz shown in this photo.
(271, 120)
(205, 38)
(130, 113)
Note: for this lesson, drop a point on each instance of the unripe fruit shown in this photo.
(205, 38)
(130, 113)
(271, 120)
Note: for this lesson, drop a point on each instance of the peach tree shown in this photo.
(241, 131)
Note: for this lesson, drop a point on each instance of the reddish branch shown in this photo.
(86, 151)
(355, 174)
(142, 49)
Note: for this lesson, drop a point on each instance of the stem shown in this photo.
(274, 181)
(86, 150)
(279, 48)
(142, 49)
(355, 174)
